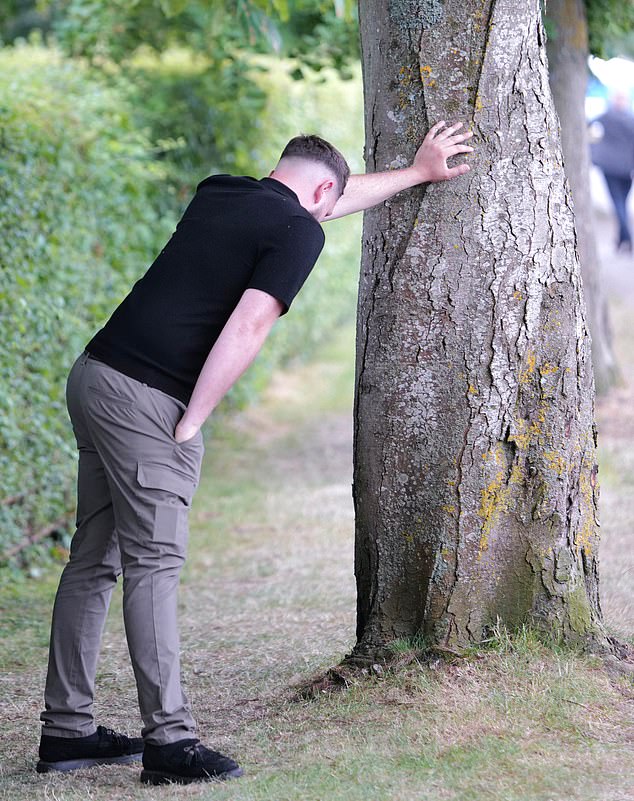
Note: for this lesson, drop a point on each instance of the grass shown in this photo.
(267, 601)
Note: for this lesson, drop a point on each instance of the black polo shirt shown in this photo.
(236, 233)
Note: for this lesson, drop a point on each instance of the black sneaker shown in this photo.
(104, 747)
(186, 761)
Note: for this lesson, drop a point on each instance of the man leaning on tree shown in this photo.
(137, 398)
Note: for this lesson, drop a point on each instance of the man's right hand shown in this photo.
(185, 430)
(441, 142)
(430, 164)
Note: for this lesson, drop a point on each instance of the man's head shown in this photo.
(315, 170)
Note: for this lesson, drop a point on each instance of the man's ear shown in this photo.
(325, 188)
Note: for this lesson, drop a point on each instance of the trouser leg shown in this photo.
(150, 590)
(627, 186)
(619, 187)
(84, 592)
(152, 480)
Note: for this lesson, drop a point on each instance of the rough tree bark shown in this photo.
(475, 479)
(567, 60)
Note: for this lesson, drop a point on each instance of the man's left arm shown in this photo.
(430, 164)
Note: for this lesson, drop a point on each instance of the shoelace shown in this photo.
(195, 757)
(192, 757)
(118, 739)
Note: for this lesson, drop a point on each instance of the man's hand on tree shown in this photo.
(430, 161)
(430, 164)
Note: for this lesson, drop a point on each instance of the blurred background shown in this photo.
(110, 114)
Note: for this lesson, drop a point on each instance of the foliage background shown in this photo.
(96, 165)
(78, 200)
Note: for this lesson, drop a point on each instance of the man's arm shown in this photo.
(430, 164)
(237, 346)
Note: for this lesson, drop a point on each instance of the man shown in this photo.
(613, 153)
(137, 398)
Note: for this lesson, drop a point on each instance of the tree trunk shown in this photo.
(475, 479)
(567, 60)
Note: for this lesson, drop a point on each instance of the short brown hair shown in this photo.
(314, 148)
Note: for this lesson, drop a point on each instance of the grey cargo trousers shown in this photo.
(135, 486)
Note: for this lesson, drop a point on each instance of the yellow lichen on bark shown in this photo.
(547, 368)
(529, 369)
(586, 532)
(426, 75)
(517, 476)
(405, 75)
(528, 430)
(556, 462)
(493, 498)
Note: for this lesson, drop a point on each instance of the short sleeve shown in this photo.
(286, 256)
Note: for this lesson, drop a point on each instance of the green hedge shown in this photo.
(78, 208)
(86, 199)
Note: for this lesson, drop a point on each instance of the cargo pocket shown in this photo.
(166, 502)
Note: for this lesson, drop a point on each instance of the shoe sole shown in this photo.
(76, 764)
(157, 777)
